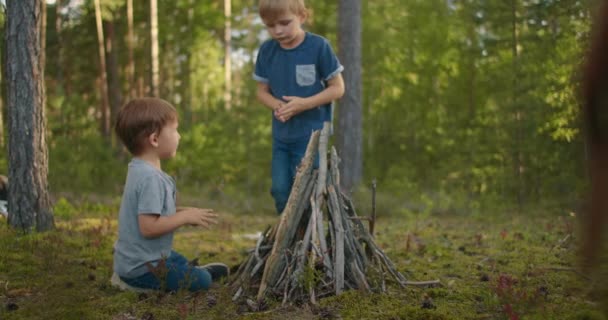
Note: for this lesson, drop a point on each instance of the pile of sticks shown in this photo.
(312, 252)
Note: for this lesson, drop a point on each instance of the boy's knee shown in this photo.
(280, 189)
(279, 192)
(280, 197)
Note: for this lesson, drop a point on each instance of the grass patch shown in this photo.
(499, 267)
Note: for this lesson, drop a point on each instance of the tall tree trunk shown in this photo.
(2, 95)
(43, 34)
(130, 46)
(349, 133)
(59, 60)
(113, 76)
(28, 197)
(154, 45)
(187, 76)
(227, 54)
(103, 86)
(518, 155)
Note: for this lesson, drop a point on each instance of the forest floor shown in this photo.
(491, 267)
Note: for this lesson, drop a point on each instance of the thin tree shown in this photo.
(103, 86)
(2, 79)
(227, 54)
(115, 94)
(1, 124)
(154, 44)
(43, 35)
(59, 59)
(349, 132)
(28, 198)
(519, 163)
(130, 45)
(2, 108)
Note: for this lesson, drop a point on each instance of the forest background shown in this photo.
(469, 106)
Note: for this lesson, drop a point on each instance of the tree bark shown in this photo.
(519, 164)
(227, 55)
(154, 47)
(349, 132)
(2, 96)
(59, 61)
(103, 86)
(130, 46)
(28, 198)
(115, 95)
(43, 34)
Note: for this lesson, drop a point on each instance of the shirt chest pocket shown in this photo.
(305, 74)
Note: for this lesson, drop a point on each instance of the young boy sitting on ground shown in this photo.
(143, 255)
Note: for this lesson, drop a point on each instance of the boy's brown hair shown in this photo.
(270, 9)
(140, 118)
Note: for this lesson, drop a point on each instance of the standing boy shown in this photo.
(143, 255)
(298, 77)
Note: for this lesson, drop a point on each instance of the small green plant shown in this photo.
(310, 277)
(64, 209)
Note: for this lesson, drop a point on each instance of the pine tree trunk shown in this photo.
(28, 198)
(115, 97)
(227, 53)
(43, 35)
(187, 71)
(154, 47)
(349, 132)
(59, 90)
(130, 45)
(2, 106)
(518, 155)
(103, 85)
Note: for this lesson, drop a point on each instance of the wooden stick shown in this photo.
(257, 247)
(359, 277)
(285, 234)
(422, 283)
(321, 190)
(372, 221)
(339, 241)
(321, 181)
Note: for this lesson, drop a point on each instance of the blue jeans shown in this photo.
(172, 274)
(286, 157)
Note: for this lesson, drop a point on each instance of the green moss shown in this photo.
(64, 274)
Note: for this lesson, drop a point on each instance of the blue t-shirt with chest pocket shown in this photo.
(302, 71)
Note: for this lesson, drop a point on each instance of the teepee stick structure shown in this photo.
(319, 247)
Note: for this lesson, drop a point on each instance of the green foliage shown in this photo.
(310, 277)
(471, 104)
(63, 209)
(85, 163)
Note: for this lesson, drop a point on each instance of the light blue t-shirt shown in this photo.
(302, 71)
(147, 190)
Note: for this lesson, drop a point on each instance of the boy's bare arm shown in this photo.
(155, 225)
(295, 105)
(263, 94)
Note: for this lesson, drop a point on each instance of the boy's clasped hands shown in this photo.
(197, 216)
(292, 107)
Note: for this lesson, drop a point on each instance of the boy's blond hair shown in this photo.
(270, 9)
(140, 118)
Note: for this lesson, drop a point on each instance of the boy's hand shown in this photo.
(293, 106)
(276, 112)
(198, 217)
